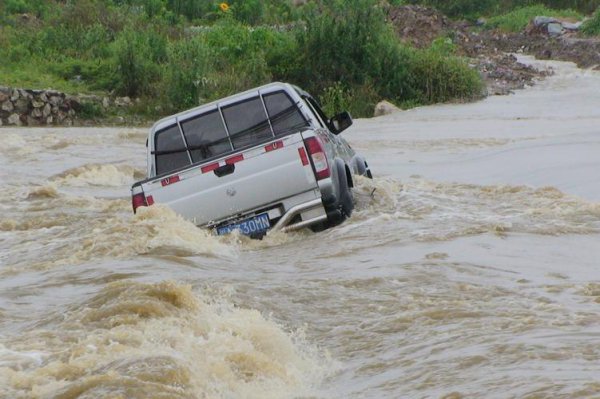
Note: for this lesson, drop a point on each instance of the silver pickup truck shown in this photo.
(264, 159)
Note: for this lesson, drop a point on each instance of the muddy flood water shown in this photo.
(470, 269)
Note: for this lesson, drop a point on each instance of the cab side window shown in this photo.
(284, 113)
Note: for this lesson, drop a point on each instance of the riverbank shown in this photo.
(438, 50)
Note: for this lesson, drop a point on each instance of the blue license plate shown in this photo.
(256, 224)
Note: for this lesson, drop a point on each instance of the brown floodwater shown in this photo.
(470, 268)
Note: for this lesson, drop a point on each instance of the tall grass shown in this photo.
(591, 27)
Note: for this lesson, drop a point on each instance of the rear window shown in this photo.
(170, 150)
(206, 136)
(223, 130)
(247, 122)
(283, 113)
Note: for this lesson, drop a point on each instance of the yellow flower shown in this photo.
(224, 7)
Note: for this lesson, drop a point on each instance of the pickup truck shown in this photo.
(267, 158)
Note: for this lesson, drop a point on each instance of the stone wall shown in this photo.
(21, 107)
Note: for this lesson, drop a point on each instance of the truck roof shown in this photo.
(168, 120)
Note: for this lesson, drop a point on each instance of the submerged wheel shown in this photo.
(342, 209)
(346, 197)
(362, 167)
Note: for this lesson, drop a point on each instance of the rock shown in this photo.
(14, 95)
(36, 113)
(73, 103)
(21, 105)
(0, 121)
(122, 101)
(23, 93)
(555, 28)
(7, 106)
(44, 97)
(542, 21)
(37, 104)
(33, 121)
(106, 102)
(3, 97)
(55, 100)
(14, 120)
(49, 120)
(68, 122)
(572, 26)
(60, 116)
(385, 108)
(47, 110)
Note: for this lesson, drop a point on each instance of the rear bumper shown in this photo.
(311, 208)
(292, 213)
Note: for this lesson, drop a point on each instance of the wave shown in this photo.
(159, 340)
(107, 175)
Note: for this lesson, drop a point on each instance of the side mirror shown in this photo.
(340, 122)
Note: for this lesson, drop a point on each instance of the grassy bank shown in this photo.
(174, 54)
(517, 19)
(591, 27)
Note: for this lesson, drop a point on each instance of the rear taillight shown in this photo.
(138, 200)
(318, 156)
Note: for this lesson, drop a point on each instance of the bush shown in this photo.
(517, 20)
(136, 70)
(373, 62)
(591, 27)
(439, 78)
(186, 74)
(351, 44)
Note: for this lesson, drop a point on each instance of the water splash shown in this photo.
(159, 340)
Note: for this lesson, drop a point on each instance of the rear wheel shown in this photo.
(342, 208)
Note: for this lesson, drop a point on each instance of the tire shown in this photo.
(362, 167)
(346, 198)
(343, 207)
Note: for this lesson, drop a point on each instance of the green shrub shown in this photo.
(186, 74)
(89, 110)
(136, 71)
(439, 78)
(519, 18)
(353, 44)
(98, 74)
(591, 27)
(350, 44)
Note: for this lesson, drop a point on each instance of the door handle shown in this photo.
(224, 170)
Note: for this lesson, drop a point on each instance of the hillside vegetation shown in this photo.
(175, 54)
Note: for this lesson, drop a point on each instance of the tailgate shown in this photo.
(248, 179)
